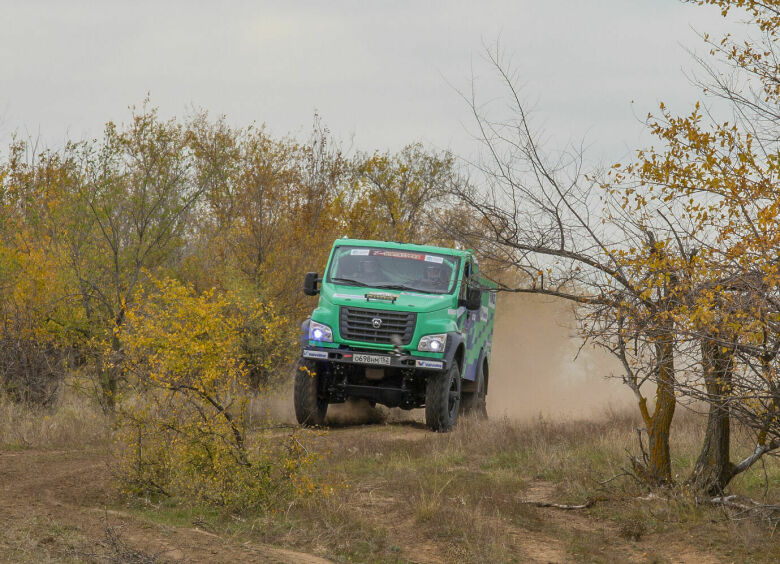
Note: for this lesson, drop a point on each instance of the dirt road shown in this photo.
(53, 507)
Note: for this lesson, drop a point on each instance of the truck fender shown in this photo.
(305, 332)
(454, 342)
(470, 385)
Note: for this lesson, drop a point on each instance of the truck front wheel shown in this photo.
(442, 399)
(310, 408)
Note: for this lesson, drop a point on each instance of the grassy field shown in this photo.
(412, 495)
(397, 493)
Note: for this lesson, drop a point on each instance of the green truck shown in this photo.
(400, 325)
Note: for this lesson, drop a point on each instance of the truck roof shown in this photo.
(401, 246)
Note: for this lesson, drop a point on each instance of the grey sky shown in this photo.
(380, 71)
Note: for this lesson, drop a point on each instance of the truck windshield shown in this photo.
(394, 269)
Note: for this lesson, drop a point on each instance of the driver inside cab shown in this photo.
(370, 273)
(434, 278)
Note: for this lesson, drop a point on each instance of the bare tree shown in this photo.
(572, 238)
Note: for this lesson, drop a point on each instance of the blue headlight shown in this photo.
(320, 332)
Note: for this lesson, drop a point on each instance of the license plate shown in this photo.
(371, 359)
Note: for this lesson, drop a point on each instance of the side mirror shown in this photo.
(310, 282)
(473, 299)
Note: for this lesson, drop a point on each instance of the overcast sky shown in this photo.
(380, 73)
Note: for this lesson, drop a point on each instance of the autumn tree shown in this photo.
(41, 332)
(539, 215)
(393, 195)
(672, 259)
(725, 175)
(274, 206)
(237, 209)
(104, 213)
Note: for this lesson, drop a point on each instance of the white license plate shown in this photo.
(371, 359)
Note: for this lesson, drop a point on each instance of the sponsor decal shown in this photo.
(315, 354)
(360, 252)
(431, 258)
(429, 364)
(397, 254)
(349, 296)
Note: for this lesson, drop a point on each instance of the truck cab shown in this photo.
(400, 325)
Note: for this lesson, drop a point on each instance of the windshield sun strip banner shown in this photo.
(397, 254)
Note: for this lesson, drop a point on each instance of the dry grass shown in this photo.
(402, 493)
(416, 495)
(73, 422)
(45, 539)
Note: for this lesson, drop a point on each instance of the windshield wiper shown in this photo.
(349, 281)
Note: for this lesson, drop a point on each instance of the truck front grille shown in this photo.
(358, 324)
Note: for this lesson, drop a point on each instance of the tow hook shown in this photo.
(396, 340)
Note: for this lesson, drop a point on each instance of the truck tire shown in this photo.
(310, 408)
(442, 399)
(475, 403)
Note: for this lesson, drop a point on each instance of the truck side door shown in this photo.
(471, 325)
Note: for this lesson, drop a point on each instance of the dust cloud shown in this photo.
(533, 369)
(533, 373)
(273, 406)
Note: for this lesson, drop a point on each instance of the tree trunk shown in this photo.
(109, 375)
(713, 469)
(660, 462)
(108, 389)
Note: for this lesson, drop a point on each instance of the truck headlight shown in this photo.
(320, 332)
(432, 343)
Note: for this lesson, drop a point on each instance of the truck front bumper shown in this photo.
(374, 359)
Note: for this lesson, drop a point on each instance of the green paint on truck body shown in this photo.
(378, 300)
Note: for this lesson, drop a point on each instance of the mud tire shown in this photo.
(442, 399)
(310, 408)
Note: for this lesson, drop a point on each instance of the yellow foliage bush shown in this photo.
(182, 420)
(34, 342)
